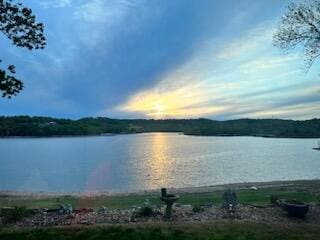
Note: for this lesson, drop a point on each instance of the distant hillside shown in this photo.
(46, 126)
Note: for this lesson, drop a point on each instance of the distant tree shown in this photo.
(300, 26)
(19, 24)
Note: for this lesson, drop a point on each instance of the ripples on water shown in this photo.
(150, 161)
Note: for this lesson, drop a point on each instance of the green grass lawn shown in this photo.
(212, 231)
(260, 196)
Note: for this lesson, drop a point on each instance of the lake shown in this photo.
(150, 161)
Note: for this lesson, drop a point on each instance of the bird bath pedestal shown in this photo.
(169, 200)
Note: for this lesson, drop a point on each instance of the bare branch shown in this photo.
(300, 26)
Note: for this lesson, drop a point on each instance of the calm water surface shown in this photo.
(150, 161)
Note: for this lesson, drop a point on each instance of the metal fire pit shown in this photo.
(295, 208)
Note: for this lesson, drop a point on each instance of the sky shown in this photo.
(161, 59)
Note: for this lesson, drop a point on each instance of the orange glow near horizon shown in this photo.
(177, 103)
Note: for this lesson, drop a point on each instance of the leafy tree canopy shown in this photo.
(18, 23)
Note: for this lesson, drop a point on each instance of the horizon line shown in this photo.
(156, 119)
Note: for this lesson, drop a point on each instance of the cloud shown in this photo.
(297, 111)
(183, 102)
(102, 11)
(101, 21)
(271, 62)
(248, 43)
(137, 58)
(56, 3)
(247, 77)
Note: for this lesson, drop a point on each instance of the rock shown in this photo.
(186, 206)
(70, 217)
(85, 222)
(83, 210)
(102, 209)
(207, 205)
(184, 213)
(132, 219)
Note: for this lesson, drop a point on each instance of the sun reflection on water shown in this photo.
(159, 164)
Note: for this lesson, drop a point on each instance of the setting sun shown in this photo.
(159, 109)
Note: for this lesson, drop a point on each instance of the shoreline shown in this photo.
(138, 133)
(184, 190)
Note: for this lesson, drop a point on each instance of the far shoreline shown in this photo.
(38, 126)
(138, 133)
(313, 183)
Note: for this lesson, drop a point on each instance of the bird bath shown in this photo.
(169, 200)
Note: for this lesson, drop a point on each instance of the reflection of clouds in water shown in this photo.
(35, 182)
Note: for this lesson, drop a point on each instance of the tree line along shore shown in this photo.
(47, 126)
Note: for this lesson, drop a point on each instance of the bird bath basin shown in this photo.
(169, 200)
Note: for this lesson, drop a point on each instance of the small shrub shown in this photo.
(197, 209)
(14, 214)
(146, 211)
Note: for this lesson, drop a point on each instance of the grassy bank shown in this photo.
(307, 191)
(217, 230)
